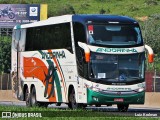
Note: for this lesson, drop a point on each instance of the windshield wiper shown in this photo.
(133, 78)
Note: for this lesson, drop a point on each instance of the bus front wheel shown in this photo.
(122, 107)
(72, 100)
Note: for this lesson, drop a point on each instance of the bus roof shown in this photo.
(99, 18)
(49, 21)
(83, 18)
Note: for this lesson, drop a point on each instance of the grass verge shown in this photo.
(36, 113)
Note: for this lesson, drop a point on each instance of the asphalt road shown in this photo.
(94, 111)
(103, 108)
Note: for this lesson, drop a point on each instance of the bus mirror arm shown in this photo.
(150, 54)
(86, 51)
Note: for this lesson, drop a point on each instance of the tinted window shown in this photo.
(114, 35)
(79, 33)
(118, 68)
(49, 37)
(80, 36)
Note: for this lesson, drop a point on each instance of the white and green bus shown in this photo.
(80, 60)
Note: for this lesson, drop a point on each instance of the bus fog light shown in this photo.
(140, 90)
(95, 89)
(95, 98)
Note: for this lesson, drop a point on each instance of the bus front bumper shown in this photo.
(104, 99)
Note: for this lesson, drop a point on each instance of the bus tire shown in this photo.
(27, 98)
(122, 107)
(72, 100)
(33, 99)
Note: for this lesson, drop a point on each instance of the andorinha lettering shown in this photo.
(119, 89)
(50, 55)
(117, 50)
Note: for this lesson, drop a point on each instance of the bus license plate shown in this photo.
(118, 99)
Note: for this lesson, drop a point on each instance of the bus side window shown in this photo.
(79, 33)
(57, 35)
(80, 36)
(62, 35)
(49, 37)
(38, 37)
(67, 35)
(29, 39)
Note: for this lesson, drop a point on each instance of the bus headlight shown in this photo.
(140, 90)
(95, 89)
(95, 98)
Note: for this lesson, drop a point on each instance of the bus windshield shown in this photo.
(117, 68)
(114, 35)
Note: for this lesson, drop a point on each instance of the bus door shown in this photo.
(82, 67)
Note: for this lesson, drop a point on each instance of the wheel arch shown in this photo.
(70, 88)
(32, 85)
(25, 87)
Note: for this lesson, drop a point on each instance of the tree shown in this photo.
(151, 30)
(5, 54)
(151, 36)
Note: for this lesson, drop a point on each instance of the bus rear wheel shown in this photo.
(33, 100)
(33, 97)
(122, 107)
(27, 98)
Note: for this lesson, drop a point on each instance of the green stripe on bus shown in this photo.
(61, 72)
(40, 51)
(58, 86)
